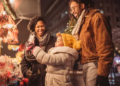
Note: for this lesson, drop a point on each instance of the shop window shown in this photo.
(108, 9)
(118, 26)
(101, 4)
(115, 1)
(117, 19)
(116, 10)
(109, 18)
(107, 1)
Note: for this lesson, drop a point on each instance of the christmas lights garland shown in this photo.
(8, 8)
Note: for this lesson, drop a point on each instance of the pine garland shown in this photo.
(8, 8)
(70, 26)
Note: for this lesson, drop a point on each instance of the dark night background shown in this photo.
(56, 14)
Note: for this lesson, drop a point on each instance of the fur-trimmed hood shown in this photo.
(64, 49)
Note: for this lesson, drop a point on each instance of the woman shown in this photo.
(42, 38)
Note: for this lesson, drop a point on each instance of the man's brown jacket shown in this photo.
(97, 44)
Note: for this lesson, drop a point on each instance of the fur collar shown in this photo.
(64, 49)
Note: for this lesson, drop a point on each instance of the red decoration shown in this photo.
(8, 29)
(11, 37)
(24, 82)
(21, 47)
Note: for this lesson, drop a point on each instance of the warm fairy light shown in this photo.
(119, 51)
(4, 13)
(114, 54)
(11, 1)
(1, 39)
(9, 32)
(116, 48)
(9, 26)
(13, 47)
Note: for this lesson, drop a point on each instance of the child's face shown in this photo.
(59, 42)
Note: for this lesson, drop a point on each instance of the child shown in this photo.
(60, 60)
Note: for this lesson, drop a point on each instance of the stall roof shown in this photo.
(26, 9)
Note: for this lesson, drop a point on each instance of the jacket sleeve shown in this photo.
(104, 44)
(25, 65)
(50, 59)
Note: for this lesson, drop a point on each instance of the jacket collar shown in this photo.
(91, 12)
(64, 49)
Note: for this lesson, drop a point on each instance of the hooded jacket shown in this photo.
(59, 61)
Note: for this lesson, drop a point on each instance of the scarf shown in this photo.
(44, 39)
(43, 43)
(76, 29)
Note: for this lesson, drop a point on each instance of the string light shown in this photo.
(114, 54)
(11, 1)
(116, 48)
(4, 13)
(119, 51)
(9, 26)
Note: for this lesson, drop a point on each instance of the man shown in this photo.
(97, 47)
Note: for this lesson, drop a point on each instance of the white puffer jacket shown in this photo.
(59, 61)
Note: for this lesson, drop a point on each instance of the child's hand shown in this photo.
(29, 46)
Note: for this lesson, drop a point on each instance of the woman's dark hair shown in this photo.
(33, 22)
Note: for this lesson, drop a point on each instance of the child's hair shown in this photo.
(70, 41)
(58, 34)
(76, 45)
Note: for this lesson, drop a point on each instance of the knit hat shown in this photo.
(70, 41)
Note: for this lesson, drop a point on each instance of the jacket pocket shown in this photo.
(57, 82)
(96, 64)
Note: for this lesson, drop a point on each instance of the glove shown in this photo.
(30, 43)
(29, 74)
(29, 46)
(102, 81)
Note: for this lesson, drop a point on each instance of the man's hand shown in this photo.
(102, 81)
